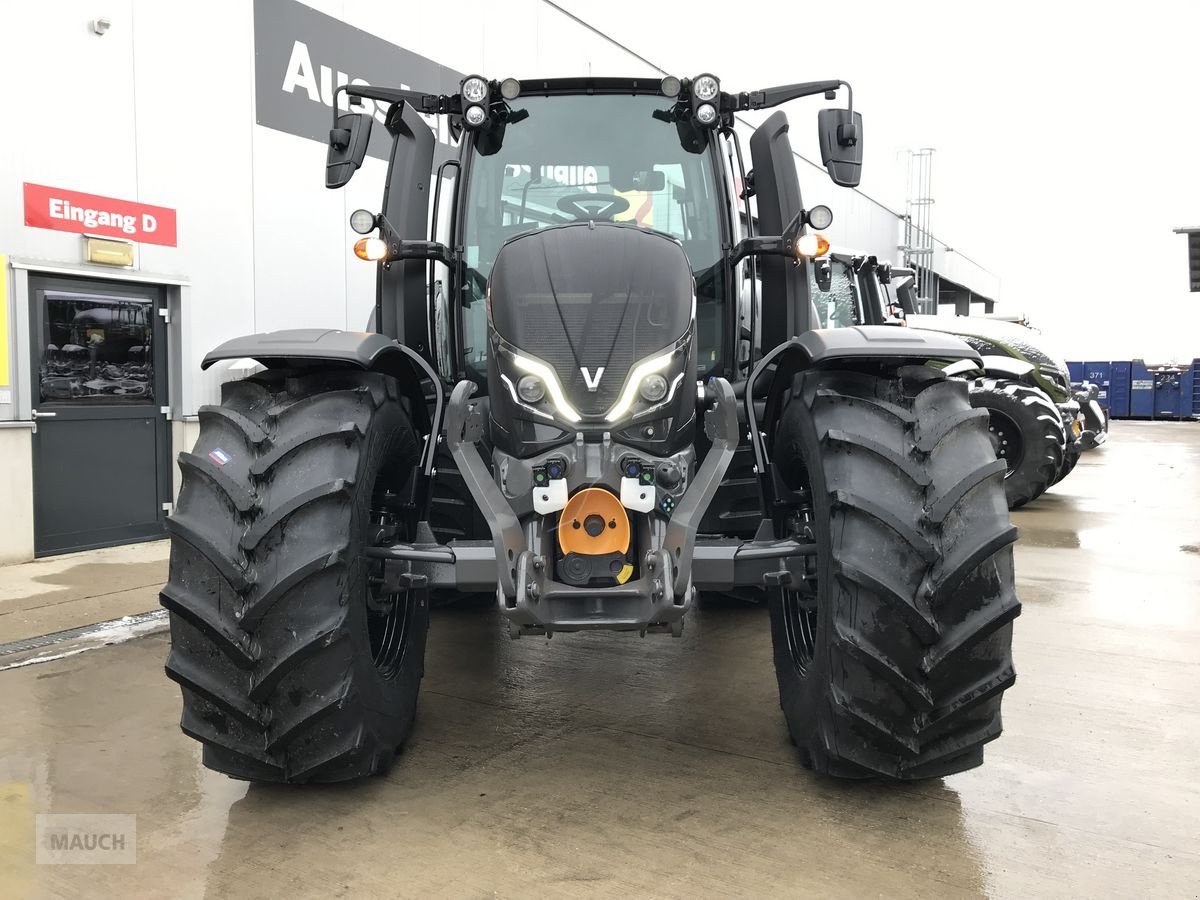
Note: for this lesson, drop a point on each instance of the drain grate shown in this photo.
(57, 637)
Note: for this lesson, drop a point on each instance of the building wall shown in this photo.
(162, 110)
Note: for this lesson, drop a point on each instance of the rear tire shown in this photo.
(295, 664)
(893, 655)
(1028, 432)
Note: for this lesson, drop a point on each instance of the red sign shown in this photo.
(62, 210)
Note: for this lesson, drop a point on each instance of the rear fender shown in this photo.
(883, 344)
(303, 347)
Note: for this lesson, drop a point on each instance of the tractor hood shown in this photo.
(991, 337)
(591, 299)
(995, 337)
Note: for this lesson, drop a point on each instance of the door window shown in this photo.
(96, 350)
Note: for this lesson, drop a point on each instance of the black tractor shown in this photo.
(567, 360)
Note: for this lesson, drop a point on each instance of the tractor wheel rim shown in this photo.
(389, 613)
(1007, 439)
(800, 625)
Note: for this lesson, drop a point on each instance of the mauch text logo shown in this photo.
(86, 839)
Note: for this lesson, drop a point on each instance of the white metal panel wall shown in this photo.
(194, 116)
(70, 118)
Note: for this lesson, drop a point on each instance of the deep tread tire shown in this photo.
(1069, 460)
(910, 629)
(268, 584)
(1042, 432)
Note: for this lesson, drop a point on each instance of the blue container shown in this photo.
(1141, 391)
(1196, 388)
(1162, 392)
(1075, 370)
(1120, 375)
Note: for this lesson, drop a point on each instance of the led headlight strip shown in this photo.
(640, 371)
(550, 380)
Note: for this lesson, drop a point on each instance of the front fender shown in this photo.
(887, 344)
(361, 349)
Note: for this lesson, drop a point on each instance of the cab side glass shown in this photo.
(836, 307)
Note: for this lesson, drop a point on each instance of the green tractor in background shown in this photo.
(1039, 422)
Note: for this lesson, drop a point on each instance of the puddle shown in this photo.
(1050, 537)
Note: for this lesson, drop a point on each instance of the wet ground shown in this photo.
(608, 765)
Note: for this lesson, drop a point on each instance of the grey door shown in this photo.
(101, 451)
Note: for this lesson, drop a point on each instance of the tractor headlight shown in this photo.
(549, 380)
(653, 387)
(633, 385)
(530, 389)
(474, 89)
(706, 114)
(705, 87)
(474, 116)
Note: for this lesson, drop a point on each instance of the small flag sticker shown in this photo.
(219, 456)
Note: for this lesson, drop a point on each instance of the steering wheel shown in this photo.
(606, 205)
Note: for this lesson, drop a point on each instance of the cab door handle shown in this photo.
(42, 415)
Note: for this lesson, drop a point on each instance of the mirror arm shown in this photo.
(769, 245)
(400, 248)
(773, 96)
(757, 246)
(422, 103)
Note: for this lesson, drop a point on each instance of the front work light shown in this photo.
(370, 249)
(474, 116)
(475, 89)
(811, 246)
(706, 114)
(670, 86)
(820, 217)
(362, 221)
(705, 87)
(510, 89)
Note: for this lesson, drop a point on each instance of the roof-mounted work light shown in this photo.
(706, 99)
(475, 89)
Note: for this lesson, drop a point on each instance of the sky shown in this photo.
(1067, 136)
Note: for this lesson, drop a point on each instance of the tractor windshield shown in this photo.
(601, 157)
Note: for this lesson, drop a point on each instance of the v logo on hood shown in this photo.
(592, 381)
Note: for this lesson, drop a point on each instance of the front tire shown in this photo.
(295, 663)
(893, 654)
(1028, 433)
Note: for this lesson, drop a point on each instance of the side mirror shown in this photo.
(347, 148)
(841, 145)
(823, 274)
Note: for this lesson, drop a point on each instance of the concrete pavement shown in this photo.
(601, 765)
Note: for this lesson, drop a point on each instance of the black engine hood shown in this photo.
(591, 295)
